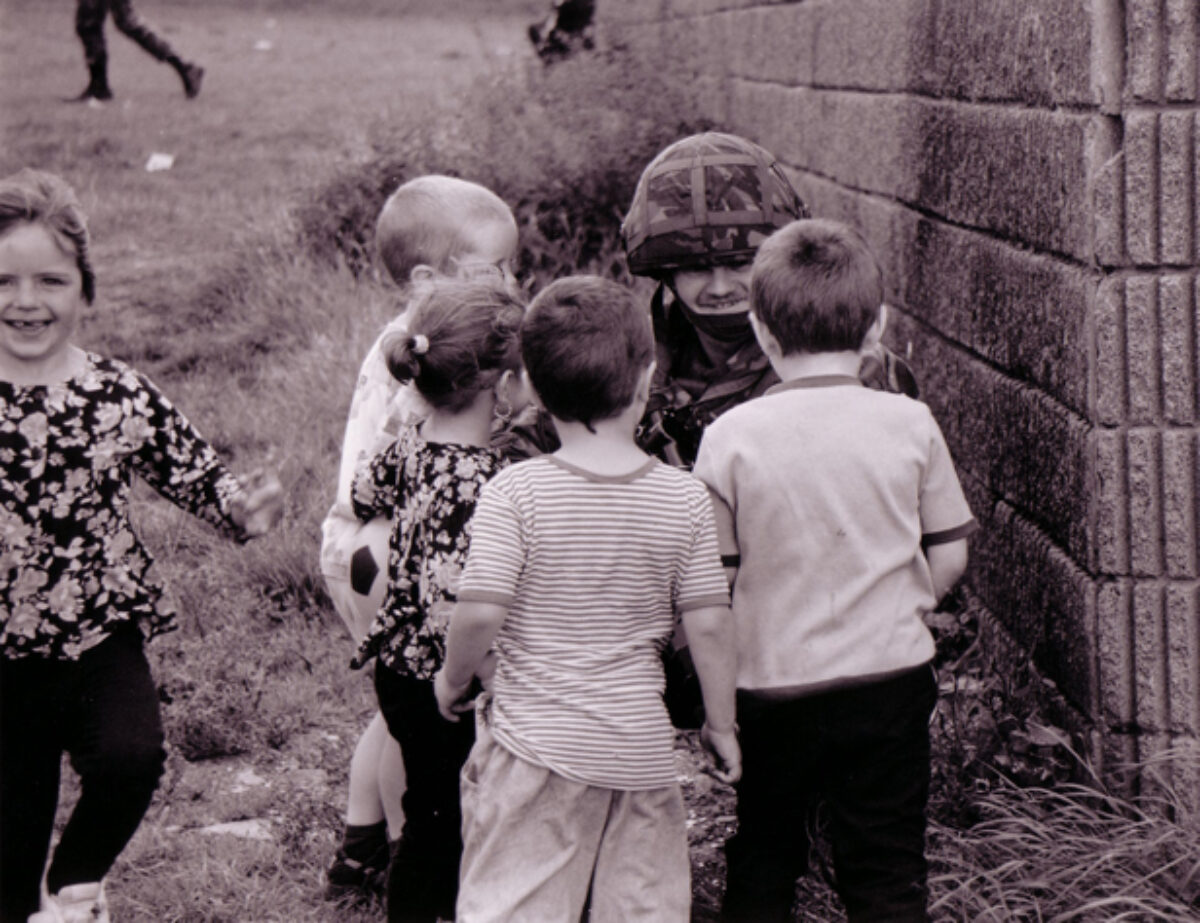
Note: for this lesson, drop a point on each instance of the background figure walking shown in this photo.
(89, 26)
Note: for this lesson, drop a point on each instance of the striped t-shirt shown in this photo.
(592, 570)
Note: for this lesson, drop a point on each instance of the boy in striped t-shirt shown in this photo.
(579, 563)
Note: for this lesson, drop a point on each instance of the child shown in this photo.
(461, 351)
(432, 227)
(850, 522)
(579, 562)
(75, 597)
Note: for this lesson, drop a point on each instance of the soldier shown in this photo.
(699, 212)
(89, 26)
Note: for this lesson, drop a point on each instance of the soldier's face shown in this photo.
(721, 289)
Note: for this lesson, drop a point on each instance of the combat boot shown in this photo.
(97, 87)
(192, 75)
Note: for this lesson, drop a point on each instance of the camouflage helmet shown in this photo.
(706, 198)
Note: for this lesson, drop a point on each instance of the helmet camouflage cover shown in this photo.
(708, 198)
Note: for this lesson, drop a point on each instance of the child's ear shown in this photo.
(766, 340)
(421, 273)
(875, 334)
(642, 391)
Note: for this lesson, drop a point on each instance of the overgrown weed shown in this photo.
(1073, 852)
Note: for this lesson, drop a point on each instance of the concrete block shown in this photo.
(869, 44)
(1150, 658)
(1176, 198)
(1039, 594)
(1196, 188)
(1108, 54)
(1023, 312)
(1142, 359)
(1183, 656)
(1182, 28)
(1017, 173)
(1031, 450)
(1145, 502)
(1021, 173)
(774, 44)
(620, 12)
(1144, 50)
(1110, 373)
(1114, 619)
(1180, 484)
(695, 8)
(1111, 540)
(1141, 187)
(1036, 52)
(1178, 347)
(1106, 180)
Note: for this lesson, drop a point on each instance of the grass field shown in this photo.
(235, 279)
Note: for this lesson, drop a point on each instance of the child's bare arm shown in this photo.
(713, 648)
(473, 627)
(726, 536)
(947, 562)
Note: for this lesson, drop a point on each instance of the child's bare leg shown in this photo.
(392, 781)
(360, 866)
(364, 806)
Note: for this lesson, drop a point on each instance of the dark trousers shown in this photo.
(101, 709)
(423, 875)
(864, 753)
(89, 26)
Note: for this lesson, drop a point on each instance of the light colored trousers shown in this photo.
(534, 841)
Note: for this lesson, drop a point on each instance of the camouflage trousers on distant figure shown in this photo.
(89, 26)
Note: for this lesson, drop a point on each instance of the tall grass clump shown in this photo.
(564, 146)
(1076, 852)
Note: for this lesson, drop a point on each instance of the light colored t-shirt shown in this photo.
(833, 487)
(592, 570)
(378, 409)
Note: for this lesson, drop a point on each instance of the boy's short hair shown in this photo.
(423, 222)
(816, 286)
(36, 197)
(585, 341)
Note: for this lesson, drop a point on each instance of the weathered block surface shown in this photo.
(1029, 173)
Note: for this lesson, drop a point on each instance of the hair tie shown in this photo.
(419, 344)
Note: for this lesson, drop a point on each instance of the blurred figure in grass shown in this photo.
(843, 521)
(460, 351)
(567, 28)
(431, 228)
(76, 600)
(89, 26)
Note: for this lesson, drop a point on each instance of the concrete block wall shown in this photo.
(1028, 172)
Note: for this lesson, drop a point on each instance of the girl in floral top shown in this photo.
(75, 596)
(461, 351)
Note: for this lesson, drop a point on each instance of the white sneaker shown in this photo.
(82, 903)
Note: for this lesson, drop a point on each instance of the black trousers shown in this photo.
(864, 753)
(101, 709)
(423, 874)
(89, 26)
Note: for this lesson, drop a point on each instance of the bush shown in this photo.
(563, 145)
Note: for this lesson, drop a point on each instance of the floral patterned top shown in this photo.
(429, 490)
(71, 566)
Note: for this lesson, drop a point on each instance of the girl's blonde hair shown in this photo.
(36, 197)
(460, 338)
